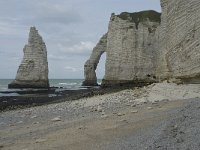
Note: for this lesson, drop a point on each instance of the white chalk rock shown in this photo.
(33, 70)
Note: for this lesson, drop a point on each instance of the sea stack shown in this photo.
(33, 70)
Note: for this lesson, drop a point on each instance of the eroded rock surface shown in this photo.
(180, 29)
(146, 47)
(130, 47)
(91, 64)
(33, 70)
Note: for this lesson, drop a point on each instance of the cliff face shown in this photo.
(91, 64)
(33, 70)
(147, 47)
(180, 31)
(130, 48)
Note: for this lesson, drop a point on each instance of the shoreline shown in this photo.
(153, 92)
(31, 98)
(158, 116)
(119, 120)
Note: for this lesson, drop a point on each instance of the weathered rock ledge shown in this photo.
(16, 84)
(33, 70)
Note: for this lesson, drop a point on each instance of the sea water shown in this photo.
(72, 84)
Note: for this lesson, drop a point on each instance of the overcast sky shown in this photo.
(70, 29)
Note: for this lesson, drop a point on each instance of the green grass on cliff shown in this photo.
(138, 17)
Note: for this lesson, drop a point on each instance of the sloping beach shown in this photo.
(147, 54)
(158, 116)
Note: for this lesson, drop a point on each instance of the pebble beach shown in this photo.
(135, 118)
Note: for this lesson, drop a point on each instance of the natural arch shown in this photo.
(91, 64)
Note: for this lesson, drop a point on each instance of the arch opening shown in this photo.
(91, 64)
(100, 71)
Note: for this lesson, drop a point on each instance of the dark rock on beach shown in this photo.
(29, 98)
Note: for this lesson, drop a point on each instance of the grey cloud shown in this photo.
(56, 12)
(52, 19)
(38, 13)
(56, 57)
(58, 17)
(81, 48)
(73, 69)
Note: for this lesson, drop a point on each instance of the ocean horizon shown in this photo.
(72, 84)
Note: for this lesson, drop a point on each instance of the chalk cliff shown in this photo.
(130, 47)
(91, 64)
(180, 40)
(146, 47)
(33, 70)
